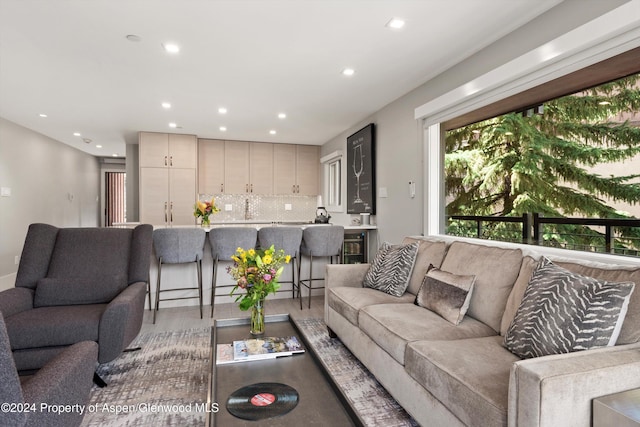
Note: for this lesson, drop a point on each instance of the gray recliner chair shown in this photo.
(77, 284)
(65, 380)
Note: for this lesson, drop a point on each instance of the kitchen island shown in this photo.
(184, 275)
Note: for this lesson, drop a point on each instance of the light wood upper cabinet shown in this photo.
(236, 167)
(163, 150)
(296, 169)
(211, 166)
(284, 169)
(261, 168)
(240, 167)
(307, 165)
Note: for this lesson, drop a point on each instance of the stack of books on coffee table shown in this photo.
(257, 349)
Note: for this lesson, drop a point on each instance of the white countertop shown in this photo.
(250, 223)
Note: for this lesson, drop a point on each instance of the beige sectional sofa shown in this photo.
(451, 375)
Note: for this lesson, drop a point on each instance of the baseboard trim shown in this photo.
(8, 281)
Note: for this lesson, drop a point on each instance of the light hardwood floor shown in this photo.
(178, 318)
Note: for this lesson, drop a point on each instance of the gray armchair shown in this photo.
(77, 284)
(65, 380)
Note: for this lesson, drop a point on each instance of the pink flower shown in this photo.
(267, 278)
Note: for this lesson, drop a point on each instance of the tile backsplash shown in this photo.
(246, 207)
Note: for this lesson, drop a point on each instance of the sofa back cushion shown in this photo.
(496, 270)
(430, 252)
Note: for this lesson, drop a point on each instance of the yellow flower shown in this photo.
(252, 252)
(267, 259)
(287, 259)
(201, 206)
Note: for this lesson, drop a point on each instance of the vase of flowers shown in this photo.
(256, 272)
(203, 210)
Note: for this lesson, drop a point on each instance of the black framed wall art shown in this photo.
(361, 174)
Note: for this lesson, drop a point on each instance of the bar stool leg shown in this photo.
(310, 277)
(157, 290)
(214, 277)
(199, 268)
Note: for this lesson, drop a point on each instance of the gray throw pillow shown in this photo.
(74, 291)
(446, 294)
(563, 312)
(391, 268)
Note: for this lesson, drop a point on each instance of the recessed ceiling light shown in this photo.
(223, 128)
(282, 116)
(173, 125)
(166, 105)
(76, 134)
(395, 23)
(272, 132)
(348, 72)
(42, 115)
(171, 47)
(115, 154)
(134, 38)
(222, 110)
(98, 146)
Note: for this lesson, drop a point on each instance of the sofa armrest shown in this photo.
(15, 300)
(65, 380)
(121, 321)
(558, 390)
(350, 275)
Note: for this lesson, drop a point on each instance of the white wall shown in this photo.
(399, 137)
(50, 182)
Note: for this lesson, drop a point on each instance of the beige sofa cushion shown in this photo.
(630, 332)
(471, 376)
(496, 270)
(429, 252)
(348, 301)
(392, 326)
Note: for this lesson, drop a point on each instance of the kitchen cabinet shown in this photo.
(261, 168)
(163, 150)
(295, 169)
(167, 178)
(211, 166)
(236, 167)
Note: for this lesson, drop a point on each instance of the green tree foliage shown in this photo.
(519, 163)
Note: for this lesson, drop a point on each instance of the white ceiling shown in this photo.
(71, 60)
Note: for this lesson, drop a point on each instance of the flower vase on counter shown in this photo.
(203, 210)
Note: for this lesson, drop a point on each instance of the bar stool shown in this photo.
(178, 246)
(288, 239)
(319, 241)
(224, 241)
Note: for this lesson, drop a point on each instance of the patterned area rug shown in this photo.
(159, 385)
(367, 397)
(165, 383)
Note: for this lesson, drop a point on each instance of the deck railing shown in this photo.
(586, 234)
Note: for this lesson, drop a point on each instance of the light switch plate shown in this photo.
(228, 208)
(288, 207)
(382, 192)
(5, 192)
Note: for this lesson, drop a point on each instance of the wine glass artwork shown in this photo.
(358, 167)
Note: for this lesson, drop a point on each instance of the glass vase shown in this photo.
(257, 318)
(206, 221)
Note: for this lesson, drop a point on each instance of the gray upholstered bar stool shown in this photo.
(288, 239)
(224, 241)
(179, 246)
(318, 241)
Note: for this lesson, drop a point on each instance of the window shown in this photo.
(333, 181)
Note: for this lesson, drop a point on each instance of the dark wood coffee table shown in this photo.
(321, 403)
